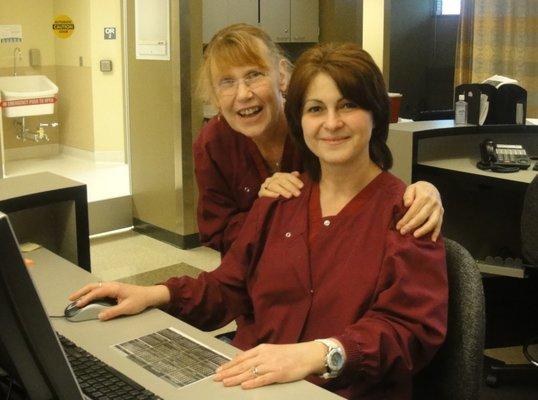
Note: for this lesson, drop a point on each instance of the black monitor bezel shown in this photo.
(32, 354)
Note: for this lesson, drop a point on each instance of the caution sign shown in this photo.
(63, 26)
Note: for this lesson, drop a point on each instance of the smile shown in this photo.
(335, 140)
(248, 112)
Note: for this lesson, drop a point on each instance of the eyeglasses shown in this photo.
(253, 80)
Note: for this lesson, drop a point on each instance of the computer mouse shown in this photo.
(89, 311)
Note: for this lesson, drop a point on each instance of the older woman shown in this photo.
(328, 289)
(246, 150)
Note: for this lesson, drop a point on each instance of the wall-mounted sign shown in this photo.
(63, 26)
(110, 33)
(10, 33)
(27, 102)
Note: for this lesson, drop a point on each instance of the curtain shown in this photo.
(464, 46)
(504, 42)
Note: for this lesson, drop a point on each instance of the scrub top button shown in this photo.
(246, 189)
(326, 222)
(288, 234)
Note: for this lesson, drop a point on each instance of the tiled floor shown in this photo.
(139, 259)
(104, 179)
(130, 253)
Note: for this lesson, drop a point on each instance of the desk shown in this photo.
(482, 208)
(441, 144)
(467, 165)
(55, 277)
(50, 210)
(482, 211)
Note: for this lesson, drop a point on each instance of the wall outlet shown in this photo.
(105, 65)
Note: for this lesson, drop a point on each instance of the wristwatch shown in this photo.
(334, 360)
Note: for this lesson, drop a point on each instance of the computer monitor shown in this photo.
(29, 348)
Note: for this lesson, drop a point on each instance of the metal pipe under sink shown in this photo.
(16, 54)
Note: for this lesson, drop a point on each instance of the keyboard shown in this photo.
(98, 380)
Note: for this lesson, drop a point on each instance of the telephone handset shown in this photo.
(503, 157)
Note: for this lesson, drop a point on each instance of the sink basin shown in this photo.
(26, 95)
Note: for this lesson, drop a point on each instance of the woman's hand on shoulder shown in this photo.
(425, 213)
(131, 299)
(273, 363)
(286, 184)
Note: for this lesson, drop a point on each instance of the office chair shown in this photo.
(432, 115)
(498, 370)
(456, 370)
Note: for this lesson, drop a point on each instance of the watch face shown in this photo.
(336, 360)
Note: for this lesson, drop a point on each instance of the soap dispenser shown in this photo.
(460, 110)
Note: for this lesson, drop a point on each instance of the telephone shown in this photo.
(503, 157)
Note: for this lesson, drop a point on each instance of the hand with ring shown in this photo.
(282, 184)
(132, 299)
(273, 363)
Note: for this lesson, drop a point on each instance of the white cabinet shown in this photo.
(213, 18)
(217, 14)
(304, 21)
(283, 20)
(243, 11)
(275, 19)
(290, 20)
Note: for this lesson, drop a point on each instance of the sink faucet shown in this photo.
(16, 54)
(24, 133)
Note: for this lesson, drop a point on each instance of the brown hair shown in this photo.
(236, 45)
(358, 78)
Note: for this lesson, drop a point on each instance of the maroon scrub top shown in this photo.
(229, 171)
(383, 295)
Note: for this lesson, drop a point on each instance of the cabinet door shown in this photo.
(242, 11)
(304, 16)
(275, 19)
(214, 17)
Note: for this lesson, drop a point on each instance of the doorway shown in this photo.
(90, 141)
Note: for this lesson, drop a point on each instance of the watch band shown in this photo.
(333, 349)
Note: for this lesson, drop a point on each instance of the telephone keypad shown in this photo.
(512, 155)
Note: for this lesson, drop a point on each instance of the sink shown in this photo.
(26, 95)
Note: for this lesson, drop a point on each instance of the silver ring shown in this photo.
(254, 371)
(100, 284)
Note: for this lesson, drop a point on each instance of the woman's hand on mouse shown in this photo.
(132, 299)
(281, 184)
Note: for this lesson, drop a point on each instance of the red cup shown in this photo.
(395, 102)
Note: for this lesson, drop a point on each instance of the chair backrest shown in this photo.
(529, 223)
(456, 370)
